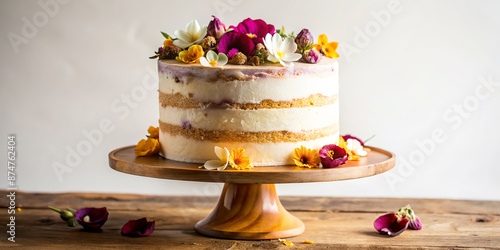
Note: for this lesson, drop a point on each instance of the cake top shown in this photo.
(250, 43)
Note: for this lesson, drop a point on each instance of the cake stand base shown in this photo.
(250, 212)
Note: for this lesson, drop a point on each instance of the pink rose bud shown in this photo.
(216, 28)
(304, 40)
(312, 56)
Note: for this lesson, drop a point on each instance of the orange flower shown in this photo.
(305, 157)
(328, 49)
(147, 147)
(238, 159)
(168, 43)
(153, 132)
(343, 144)
(191, 55)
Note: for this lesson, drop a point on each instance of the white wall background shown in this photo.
(429, 66)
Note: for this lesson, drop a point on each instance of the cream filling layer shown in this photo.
(184, 149)
(260, 120)
(275, 89)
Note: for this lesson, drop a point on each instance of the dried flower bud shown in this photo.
(254, 60)
(208, 42)
(216, 28)
(259, 46)
(311, 56)
(304, 40)
(170, 52)
(239, 58)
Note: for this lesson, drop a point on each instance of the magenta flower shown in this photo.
(390, 224)
(346, 137)
(312, 56)
(92, 218)
(255, 29)
(216, 28)
(234, 42)
(395, 223)
(332, 156)
(138, 228)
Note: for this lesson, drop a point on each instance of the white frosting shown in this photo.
(180, 148)
(260, 120)
(255, 91)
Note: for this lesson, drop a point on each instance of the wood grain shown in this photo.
(124, 160)
(250, 212)
(333, 223)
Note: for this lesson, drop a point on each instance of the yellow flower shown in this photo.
(327, 48)
(304, 157)
(168, 43)
(147, 147)
(191, 55)
(343, 144)
(154, 132)
(238, 159)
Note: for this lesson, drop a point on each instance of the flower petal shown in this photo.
(222, 60)
(222, 153)
(181, 43)
(214, 164)
(211, 55)
(204, 62)
(181, 35)
(193, 27)
(276, 41)
(322, 39)
(388, 224)
(291, 57)
(96, 217)
(288, 46)
(201, 35)
(286, 64)
(272, 58)
(138, 228)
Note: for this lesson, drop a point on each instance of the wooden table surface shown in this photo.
(334, 223)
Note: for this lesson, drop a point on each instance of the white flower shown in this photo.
(355, 147)
(282, 51)
(221, 164)
(213, 60)
(192, 35)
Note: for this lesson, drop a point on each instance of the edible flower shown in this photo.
(147, 147)
(234, 42)
(281, 50)
(191, 55)
(138, 228)
(305, 157)
(254, 29)
(238, 159)
(393, 224)
(347, 137)
(193, 34)
(221, 164)
(311, 56)
(328, 49)
(343, 144)
(355, 147)
(92, 218)
(332, 156)
(153, 132)
(213, 60)
(304, 40)
(216, 28)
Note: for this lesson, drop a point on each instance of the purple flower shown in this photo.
(216, 28)
(91, 218)
(346, 137)
(312, 56)
(138, 228)
(255, 29)
(395, 223)
(332, 156)
(234, 42)
(390, 224)
(304, 40)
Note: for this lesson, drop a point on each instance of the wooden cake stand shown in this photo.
(249, 207)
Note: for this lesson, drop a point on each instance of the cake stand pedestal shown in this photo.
(249, 207)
